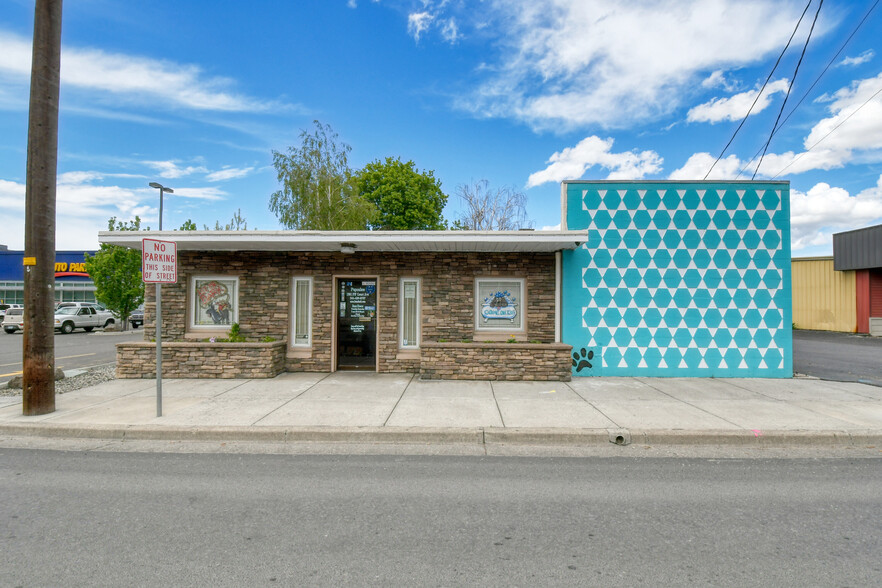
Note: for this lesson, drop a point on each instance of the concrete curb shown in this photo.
(451, 436)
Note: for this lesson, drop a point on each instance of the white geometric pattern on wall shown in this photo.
(680, 279)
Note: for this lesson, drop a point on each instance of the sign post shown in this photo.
(159, 265)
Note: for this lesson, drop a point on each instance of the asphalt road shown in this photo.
(843, 357)
(98, 519)
(77, 350)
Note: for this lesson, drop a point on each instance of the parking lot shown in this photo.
(843, 357)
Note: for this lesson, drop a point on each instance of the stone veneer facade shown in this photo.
(201, 360)
(496, 361)
(447, 302)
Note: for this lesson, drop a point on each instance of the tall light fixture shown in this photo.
(162, 189)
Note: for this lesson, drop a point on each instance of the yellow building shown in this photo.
(823, 299)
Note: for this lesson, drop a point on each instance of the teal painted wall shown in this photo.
(679, 279)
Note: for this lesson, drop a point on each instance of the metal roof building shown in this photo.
(860, 250)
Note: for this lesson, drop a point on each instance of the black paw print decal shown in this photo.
(580, 360)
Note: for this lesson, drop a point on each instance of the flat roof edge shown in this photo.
(675, 182)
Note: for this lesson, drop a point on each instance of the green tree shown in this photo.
(188, 225)
(406, 199)
(318, 188)
(116, 272)
(237, 223)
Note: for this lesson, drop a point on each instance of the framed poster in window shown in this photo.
(215, 301)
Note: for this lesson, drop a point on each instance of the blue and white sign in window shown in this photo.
(499, 304)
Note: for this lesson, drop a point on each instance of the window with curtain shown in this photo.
(410, 313)
(302, 316)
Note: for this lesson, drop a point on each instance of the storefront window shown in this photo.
(499, 304)
(410, 313)
(301, 328)
(215, 301)
(11, 292)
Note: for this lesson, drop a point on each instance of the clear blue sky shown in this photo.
(525, 93)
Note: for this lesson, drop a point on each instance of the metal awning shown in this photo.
(336, 241)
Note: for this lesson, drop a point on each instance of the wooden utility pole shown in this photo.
(38, 378)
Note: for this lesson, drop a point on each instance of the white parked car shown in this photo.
(5, 307)
(87, 318)
(14, 320)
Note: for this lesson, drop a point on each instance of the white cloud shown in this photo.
(12, 198)
(573, 63)
(551, 227)
(84, 203)
(171, 170)
(824, 210)
(858, 59)
(698, 165)
(449, 31)
(852, 132)
(418, 23)
(208, 193)
(136, 78)
(572, 162)
(736, 107)
(728, 168)
(718, 79)
(82, 209)
(229, 173)
(864, 127)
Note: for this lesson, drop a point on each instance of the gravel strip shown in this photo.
(94, 376)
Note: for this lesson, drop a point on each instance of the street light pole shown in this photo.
(162, 190)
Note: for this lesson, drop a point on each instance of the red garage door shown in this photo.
(876, 293)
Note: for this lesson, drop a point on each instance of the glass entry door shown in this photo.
(356, 324)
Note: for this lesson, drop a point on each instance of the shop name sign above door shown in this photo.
(159, 261)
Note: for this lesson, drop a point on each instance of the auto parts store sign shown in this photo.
(159, 261)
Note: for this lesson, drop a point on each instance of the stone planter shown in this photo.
(201, 360)
(496, 361)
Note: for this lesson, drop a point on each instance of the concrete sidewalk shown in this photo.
(400, 408)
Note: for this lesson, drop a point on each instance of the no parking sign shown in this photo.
(159, 261)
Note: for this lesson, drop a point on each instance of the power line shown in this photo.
(815, 83)
(789, 87)
(867, 101)
(760, 93)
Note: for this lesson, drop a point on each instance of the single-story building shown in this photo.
(646, 278)
(451, 304)
(823, 299)
(860, 251)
